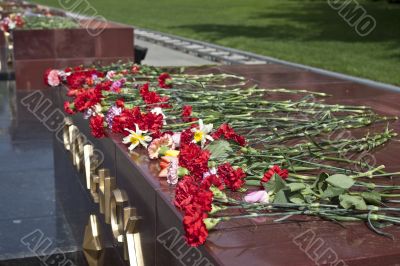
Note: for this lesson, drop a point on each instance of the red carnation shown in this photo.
(212, 180)
(151, 122)
(229, 134)
(165, 81)
(186, 136)
(153, 99)
(195, 201)
(193, 158)
(185, 189)
(283, 173)
(120, 103)
(68, 108)
(196, 232)
(126, 119)
(129, 117)
(86, 99)
(189, 192)
(233, 179)
(187, 114)
(97, 126)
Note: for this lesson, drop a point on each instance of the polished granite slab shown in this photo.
(58, 49)
(252, 242)
(28, 195)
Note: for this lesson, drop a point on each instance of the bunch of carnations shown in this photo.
(154, 109)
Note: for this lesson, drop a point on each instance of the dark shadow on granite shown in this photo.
(67, 259)
(28, 196)
(34, 236)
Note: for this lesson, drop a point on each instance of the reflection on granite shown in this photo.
(28, 197)
(6, 71)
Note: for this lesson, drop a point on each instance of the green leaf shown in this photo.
(320, 184)
(219, 149)
(296, 186)
(280, 197)
(341, 181)
(348, 201)
(372, 197)
(275, 184)
(297, 198)
(307, 191)
(332, 191)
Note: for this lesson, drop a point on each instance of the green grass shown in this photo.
(307, 32)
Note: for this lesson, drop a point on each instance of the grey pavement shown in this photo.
(158, 55)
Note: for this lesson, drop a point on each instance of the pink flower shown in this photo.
(51, 78)
(260, 196)
(172, 176)
(156, 145)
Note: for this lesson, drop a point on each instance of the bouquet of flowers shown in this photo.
(234, 151)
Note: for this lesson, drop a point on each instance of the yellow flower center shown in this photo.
(198, 135)
(172, 153)
(135, 138)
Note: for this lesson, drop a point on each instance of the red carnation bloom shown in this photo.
(283, 173)
(126, 119)
(196, 232)
(195, 201)
(187, 136)
(76, 79)
(193, 158)
(186, 111)
(212, 180)
(189, 192)
(165, 81)
(79, 77)
(97, 126)
(129, 117)
(153, 99)
(233, 179)
(229, 134)
(187, 114)
(120, 103)
(68, 108)
(184, 191)
(86, 99)
(151, 122)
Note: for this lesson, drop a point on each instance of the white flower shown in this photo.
(172, 176)
(63, 75)
(92, 111)
(176, 138)
(211, 171)
(110, 74)
(158, 111)
(135, 138)
(97, 108)
(201, 133)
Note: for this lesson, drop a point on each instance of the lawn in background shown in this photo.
(301, 31)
